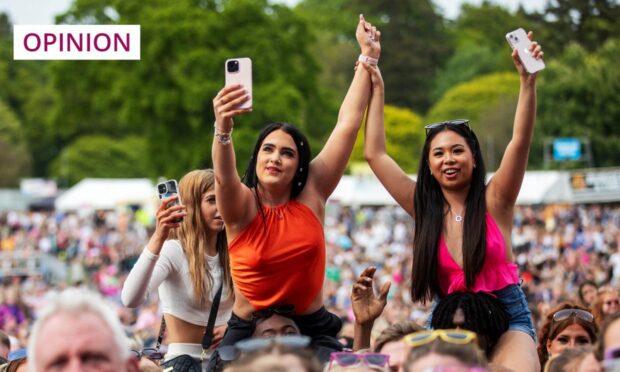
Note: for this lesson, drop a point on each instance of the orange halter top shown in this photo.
(280, 260)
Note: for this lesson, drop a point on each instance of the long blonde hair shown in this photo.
(193, 235)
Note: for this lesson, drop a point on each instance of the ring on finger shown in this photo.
(223, 101)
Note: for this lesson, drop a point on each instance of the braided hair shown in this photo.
(484, 314)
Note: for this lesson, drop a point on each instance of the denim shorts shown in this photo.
(514, 299)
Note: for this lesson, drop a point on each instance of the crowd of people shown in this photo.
(557, 247)
(262, 272)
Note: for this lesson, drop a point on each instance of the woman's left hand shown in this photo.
(537, 53)
(218, 335)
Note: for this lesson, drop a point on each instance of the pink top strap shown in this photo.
(496, 273)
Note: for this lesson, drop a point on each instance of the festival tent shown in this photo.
(539, 187)
(96, 193)
(545, 187)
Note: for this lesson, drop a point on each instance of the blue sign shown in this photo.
(566, 149)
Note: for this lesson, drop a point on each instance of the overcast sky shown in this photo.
(41, 12)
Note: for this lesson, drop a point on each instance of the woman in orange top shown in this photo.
(274, 218)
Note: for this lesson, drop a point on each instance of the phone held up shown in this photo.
(169, 188)
(518, 40)
(239, 71)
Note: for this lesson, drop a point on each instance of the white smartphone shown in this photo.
(239, 71)
(169, 188)
(518, 40)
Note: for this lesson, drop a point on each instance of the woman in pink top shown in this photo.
(463, 226)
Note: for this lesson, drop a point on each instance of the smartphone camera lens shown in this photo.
(161, 189)
(232, 66)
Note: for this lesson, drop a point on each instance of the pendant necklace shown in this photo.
(458, 217)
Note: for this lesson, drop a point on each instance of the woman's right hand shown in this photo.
(368, 38)
(225, 103)
(168, 217)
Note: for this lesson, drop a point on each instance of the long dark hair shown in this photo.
(303, 150)
(429, 214)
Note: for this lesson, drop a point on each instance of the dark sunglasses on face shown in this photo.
(615, 302)
(455, 122)
(346, 359)
(149, 353)
(250, 345)
(279, 309)
(612, 354)
(567, 313)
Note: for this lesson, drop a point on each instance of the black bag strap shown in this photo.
(207, 339)
(162, 329)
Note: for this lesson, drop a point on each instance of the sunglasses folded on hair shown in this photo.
(285, 310)
(250, 345)
(455, 122)
(452, 336)
(346, 359)
(567, 313)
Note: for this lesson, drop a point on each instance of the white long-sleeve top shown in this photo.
(169, 273)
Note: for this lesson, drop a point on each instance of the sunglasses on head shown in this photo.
(268, 312)
(567, 313)
(149, 353)
(452, 336)
(455, 122)
(231, 352)
(346, 359)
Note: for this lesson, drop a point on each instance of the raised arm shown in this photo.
(329, 165)
(506, 183)
(391, 175)
(148, 272)
(233, 198)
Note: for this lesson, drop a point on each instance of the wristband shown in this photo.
(371, 61)
(222, 138)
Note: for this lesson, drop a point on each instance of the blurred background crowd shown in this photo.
(557, 247)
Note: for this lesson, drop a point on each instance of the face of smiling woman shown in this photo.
(277, 161)
(450, 160)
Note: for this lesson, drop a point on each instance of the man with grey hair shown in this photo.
(77, 331)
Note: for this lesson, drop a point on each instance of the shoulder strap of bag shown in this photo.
(162, 329)
(208, 336)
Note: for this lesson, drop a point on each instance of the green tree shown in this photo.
(404, 134)
(26, 89)
(586, 22)
(580, 97)
(481, 48)
(415, 45)
(167, 95)
(15, 155)
(101, 157)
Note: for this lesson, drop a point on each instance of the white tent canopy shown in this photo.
(538, 187)
(94, 193)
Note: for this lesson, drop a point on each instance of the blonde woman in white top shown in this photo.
(186, 261)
